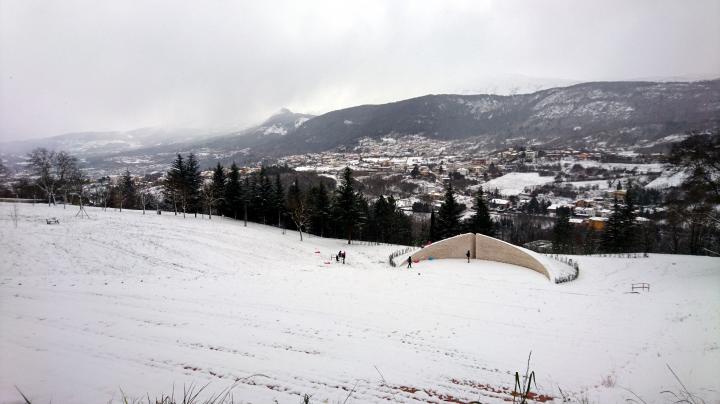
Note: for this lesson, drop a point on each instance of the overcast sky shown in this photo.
(117, 65)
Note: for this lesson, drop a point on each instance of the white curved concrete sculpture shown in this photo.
(484, 248)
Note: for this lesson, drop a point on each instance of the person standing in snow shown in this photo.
(409, 262)
(343, 257)
(337, 257)
(467, 254)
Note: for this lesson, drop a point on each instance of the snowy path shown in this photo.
(141, 302)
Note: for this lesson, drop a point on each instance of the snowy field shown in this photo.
(143, 303)
(640, 168)
(515, 183)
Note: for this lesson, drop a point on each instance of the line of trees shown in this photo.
(687, 221)
(449, 220)
(262, 197)
(56, 173)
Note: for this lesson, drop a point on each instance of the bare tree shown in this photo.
(42, 162)
(68, 174)
(144, 194)
(209, 198)
(300, 215)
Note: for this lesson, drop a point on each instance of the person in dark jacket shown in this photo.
(467, 254)
(343, 256)
(409, 261)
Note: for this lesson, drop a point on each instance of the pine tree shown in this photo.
(175, 184)
(380, 219)
(562, 232)
(590, 241)
(363, 209)
(449, 215)
(480, 221)
(612, 236)
(320, 210)
(533, 206)
(127, 191)
(346, 211)
(233, 195)
(266, 198)
(278, 200)
(247, 197)
(400, 224)
(218, 187)
(192, 183)
(432, 232)
(627, 223)
(415, 171)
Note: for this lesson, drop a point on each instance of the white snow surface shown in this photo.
(668, 178)
(145, 302)
(514, 183)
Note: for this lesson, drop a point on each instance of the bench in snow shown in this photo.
(640, 286)
(52, 220)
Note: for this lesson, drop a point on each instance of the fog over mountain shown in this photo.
(633, 115)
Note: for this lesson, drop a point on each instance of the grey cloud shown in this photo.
(88, 65)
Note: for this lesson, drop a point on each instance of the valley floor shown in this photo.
(143, 303)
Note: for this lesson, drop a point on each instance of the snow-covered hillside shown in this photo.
(515, 183)
(123, 300)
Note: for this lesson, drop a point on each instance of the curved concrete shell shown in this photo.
(492, 249)
(484, 248)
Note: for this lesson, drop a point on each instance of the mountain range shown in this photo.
(631, 115)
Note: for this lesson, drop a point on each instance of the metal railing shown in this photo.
(573, 264)
(395, 254)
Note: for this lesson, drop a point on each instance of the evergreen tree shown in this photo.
(590, 241)
(380, 218)
(127, 192)
(400, 224)
(247, 197)
(533, 206)
(175, 184)
(415, 171)
(432, 233)
(233, 193)
(627, 223)
(320, 210)
(363, 209)
(448, 221)
(612, 236)
(346, 211)
(192, 183)
(252, 197)
(218, 187)
(562, 232)
(493, 171)
(278, 200)
(265, 198)
(480, 221)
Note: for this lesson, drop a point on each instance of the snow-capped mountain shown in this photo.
(631, 114)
